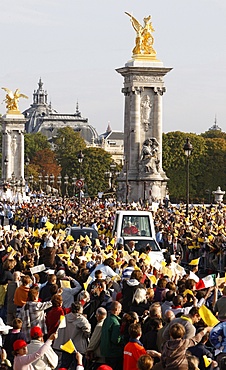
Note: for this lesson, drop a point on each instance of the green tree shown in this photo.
(213, 134)
(207, 165)
(34, 143)
(67, 145)
(94, 167)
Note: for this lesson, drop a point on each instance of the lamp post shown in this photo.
(59, 183)
(46, 181)
(6, 161)
(40, 181)
(80, 157)
(73, 184)
(66, 177)
(187, 151)
(27, 162)
(51, 181)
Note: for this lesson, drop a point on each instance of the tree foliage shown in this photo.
(94, 167)
(206, 164)
(67, 145)
(34, 143)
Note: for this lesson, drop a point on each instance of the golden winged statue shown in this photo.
(12, 99)
(144, 39)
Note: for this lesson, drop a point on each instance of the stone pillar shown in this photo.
(13, 127)
(157, 130)
(143, 89)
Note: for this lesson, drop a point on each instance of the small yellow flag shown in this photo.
(88, 241)
(194, 262)
(152, 278)
(69, 237)
(207, 360)
(68, 346)
(65, 284)
(36, 233)
(62, 322)
(188, 291)
(207, 316)
(49, 225)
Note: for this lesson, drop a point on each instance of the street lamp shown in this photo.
(46, 180)
(40, 181)
(66, 177)
(51, 181)
(187, 151)
(6, 161)
(80, 157)
(59, 183)
(73, 184)
(27, 162)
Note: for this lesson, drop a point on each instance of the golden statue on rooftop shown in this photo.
(144, 39)
(12, 99)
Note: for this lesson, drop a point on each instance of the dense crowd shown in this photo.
(99, 304)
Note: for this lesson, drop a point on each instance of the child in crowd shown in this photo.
(174, 350)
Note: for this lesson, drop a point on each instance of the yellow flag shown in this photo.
(112, 242)
(69, 237)
(62, 322)
(68, 347)
(97, 242)
(207, 360)
(167, 272)
(136, 268)
(36, 233)
(88, 241)
(65, 284)
(61, 255)
(188, 291)
(152, 278)
(194, 262)
(207, 316)
(49, 225)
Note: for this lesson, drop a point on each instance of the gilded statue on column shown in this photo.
(11, 100)
(144, 39)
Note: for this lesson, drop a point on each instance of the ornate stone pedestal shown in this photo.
(13, 126)
(142, 176)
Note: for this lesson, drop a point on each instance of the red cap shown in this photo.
(104, 367)
(36, 332)
(18, 344)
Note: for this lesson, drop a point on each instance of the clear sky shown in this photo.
(76, 45)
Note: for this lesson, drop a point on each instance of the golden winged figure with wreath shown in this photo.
(144, 39)
(12, 99)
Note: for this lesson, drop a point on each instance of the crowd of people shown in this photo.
(99, 304)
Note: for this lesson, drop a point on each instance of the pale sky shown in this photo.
(76, 45)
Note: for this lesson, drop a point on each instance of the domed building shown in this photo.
(41, 117)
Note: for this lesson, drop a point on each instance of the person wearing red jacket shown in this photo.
(54, 314)
(133, 349)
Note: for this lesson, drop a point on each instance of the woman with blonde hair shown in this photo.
(139, 301)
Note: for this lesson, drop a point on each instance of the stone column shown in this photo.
(13, 145)
(157, 129)
(143, 79)
(134, 130)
